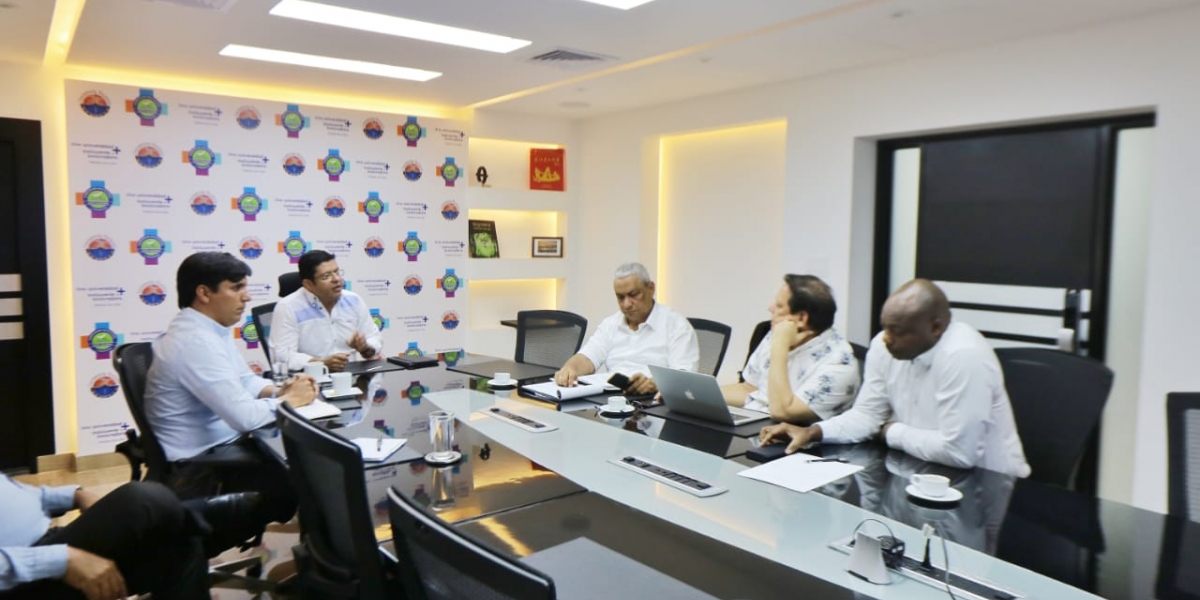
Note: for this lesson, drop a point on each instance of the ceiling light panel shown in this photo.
(327, 62)
(389, 25)
(621, 4)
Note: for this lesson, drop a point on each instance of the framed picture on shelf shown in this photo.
(481, 239)
(547, 247)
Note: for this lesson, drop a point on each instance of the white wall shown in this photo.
(1135, 66)
(718, 256)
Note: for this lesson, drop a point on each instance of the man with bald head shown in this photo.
(932, 388)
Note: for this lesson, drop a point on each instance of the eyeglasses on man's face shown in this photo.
(326, 276)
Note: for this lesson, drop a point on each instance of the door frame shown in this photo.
(884, 177)
(37, 416)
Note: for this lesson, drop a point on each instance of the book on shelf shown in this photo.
(481, 239)
(547, 169)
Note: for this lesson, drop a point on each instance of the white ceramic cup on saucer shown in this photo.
(502, 379)
(616, 404)
(316, 370)
(932, 486)
(342, 383)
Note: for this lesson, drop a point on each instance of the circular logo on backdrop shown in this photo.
(249, 204)
(147, 107)
(98, 199)
(148, 155)
(94, 103)
(152, 293)
(373, 206)
(373, 247)
(380, 397)
(293, 247)
(450, 320)
(203, 204)
(99, 247)
(335, 207)
(248, 117)
(201, 157)
(292, 120)
(250, 248)
(373, 128)
(450, 210)
(102, 340)
(411, 131)
(293, 164)
(104, 385)
(250, 332)
(412, 285)
(150, 246)
(412, 170)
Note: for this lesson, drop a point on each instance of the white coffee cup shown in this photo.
(617, 404)
(934, 486)
(342, 383)
(316, 370)
(502, 379)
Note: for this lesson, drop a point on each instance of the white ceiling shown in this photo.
(666, 50)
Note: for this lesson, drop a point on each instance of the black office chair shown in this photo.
(860, 353)
(714, 340)
(261, 315)
(288, 283)
(132, 363)
(1183, 455)
(760, 331)
(337, 556)
(548, 337)
(444, 564)
(1057, 399)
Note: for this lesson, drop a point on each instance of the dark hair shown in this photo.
(311, 260)
(813, 296)
(208, 269)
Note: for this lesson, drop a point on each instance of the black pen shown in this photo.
(379, 444)
(812, 460)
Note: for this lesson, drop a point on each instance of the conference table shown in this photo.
(524, 494)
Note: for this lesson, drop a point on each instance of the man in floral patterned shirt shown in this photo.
(803, 371)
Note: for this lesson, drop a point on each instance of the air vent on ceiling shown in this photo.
(570, 59)
(217, 5)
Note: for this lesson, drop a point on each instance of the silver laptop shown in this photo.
(699, 395)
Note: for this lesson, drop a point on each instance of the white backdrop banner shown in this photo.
(156, 175)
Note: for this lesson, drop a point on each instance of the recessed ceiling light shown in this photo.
(621, 4)
(387, 24)
(326, 62)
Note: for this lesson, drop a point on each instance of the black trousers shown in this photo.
(240, 466)
(142, 527)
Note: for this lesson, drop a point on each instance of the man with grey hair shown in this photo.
(933, 388)
(642, 333)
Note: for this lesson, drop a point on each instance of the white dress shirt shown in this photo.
(666, 339)
(947, 405)
(823, 372)
(27, 511)
(301, 328)
(200, 392)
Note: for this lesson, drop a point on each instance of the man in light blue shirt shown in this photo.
(137, 539)
(322, 321)
(201, 396)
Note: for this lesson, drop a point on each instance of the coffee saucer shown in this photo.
(455, 456)
(331, 393)
(606, 410)
(951, 495)
(503, 385)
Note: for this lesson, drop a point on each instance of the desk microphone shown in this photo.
(926, 531)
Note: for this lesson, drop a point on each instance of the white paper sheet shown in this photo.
(795, 472)
(551, 391)
(377, 449)
(319, 409)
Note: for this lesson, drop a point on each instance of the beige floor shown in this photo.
(106, 473)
